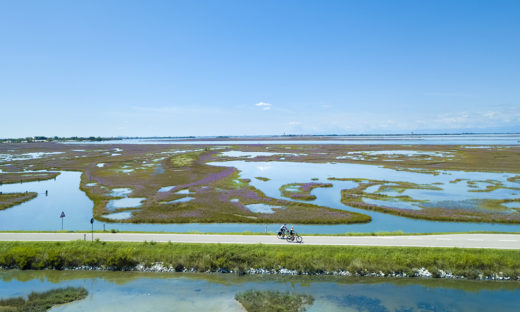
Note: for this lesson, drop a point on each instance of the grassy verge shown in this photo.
(241, 258)
(267, 300)
(39, 302)
(13, 199)
(382, 233)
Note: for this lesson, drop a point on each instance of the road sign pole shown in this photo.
(62, 215)
(92, 223)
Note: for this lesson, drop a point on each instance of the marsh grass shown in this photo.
(301, 191)
(13, 199)
(472, 210)
(268, 300)
(22, 177)
(212, 190)
(40, 302)
(240, 258)
(184, 167)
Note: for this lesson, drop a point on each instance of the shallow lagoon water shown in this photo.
(409, 153)
(128, 202)
(166, 189)
(262, 208)
(26, 156)
(42, 213)
(393, 155)
(123, 215)
(457, 139)
(252, 154)
(281, 173)
(119, 192)
(133, 291)
(512, 205)
(180, 200)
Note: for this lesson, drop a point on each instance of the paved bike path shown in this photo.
(495, 241)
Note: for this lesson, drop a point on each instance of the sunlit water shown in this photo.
(129, 291)
(462, 139)
(453, 185)
(42, 213)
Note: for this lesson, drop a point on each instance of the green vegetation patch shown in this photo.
(241, 258)
(211, 191)
(515, 179)
(40, 302)
(301, 191)
(13, 199)
(21, 177)
(471, 210)
(490, 185)
(268, 300)
(147, 168)
(184, 159)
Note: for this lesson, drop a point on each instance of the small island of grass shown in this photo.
(268, 300)
(470, 210)
(40, 302)
(301, 191)
(12, 199)
(22, 177)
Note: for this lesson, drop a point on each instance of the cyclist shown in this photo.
(283, 228)
(291, 233)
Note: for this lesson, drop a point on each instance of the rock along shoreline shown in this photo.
(416, 273)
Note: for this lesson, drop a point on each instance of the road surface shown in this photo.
(495, 241)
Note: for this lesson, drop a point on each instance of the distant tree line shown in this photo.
(55, 139)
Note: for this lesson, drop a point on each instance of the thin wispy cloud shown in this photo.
(263, 105)
(478, 119)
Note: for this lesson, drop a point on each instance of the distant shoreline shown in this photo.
(363, 136)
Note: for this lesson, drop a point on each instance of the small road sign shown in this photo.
(62, 215)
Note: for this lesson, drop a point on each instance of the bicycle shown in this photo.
(295, 238)
(282, 234)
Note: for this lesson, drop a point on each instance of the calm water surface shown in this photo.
(478, 139)
(130, 291)
(42, 213)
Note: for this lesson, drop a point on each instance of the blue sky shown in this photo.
(174, 68)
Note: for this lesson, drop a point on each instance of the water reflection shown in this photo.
(131, 291)
(42, 213)
(480, 140)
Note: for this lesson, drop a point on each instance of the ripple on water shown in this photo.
(119, 192)
(119, 215)
(166, 188)
(128, 202)
(263, 208)
(180, 200)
